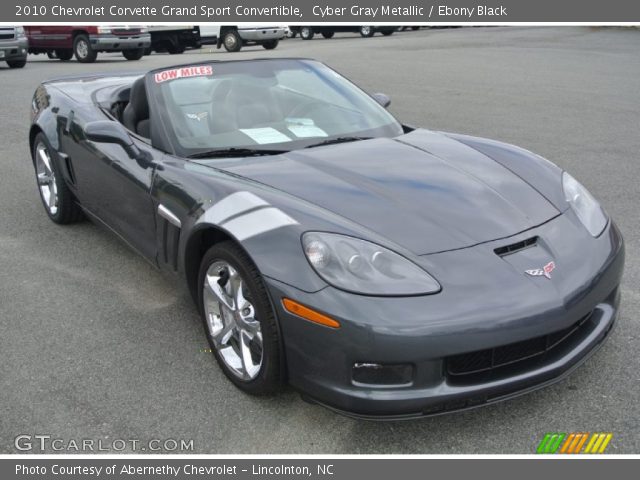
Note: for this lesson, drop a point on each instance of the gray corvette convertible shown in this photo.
(383, 270)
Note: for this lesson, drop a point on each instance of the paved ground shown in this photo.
(94, 343)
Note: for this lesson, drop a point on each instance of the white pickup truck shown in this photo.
(235, 37)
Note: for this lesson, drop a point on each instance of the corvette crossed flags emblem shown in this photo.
(542, 272)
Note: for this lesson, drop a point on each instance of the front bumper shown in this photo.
(13, 50)
(487, 303)
(115, 43)
(261, 34)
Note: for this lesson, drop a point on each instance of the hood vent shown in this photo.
(516, 247)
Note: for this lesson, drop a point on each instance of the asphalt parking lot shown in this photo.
(95, 343)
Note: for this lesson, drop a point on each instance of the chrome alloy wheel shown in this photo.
(230, 319)
(82, 48)
(46, 179)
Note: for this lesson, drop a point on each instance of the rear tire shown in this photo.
(270, 45)
(251, 322)
(64, 54)
(386, 33)
(136, 54)
(83, 50)
(17, 63)
(232, 41)
(176, 48)
(57, 199)
(328, 34)
(306, 33)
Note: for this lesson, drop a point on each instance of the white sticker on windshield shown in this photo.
(307, 131)
(265, 135)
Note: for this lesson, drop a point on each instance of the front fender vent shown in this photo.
(516, 247)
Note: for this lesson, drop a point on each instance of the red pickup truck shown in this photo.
(63, 42)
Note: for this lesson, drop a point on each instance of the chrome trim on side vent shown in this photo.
(171, 217)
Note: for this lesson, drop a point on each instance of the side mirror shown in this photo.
(382, 99)
(106, 131)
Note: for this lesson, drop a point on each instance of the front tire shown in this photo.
(56, 197)
(328, 34)
(238, 319)
(306, 33)
(17, 63)
(83, 50)
(270, 44)
(232, 41)
(136, 54)
(367, 31)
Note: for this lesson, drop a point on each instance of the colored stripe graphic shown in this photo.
(581, 443)
(598, 443)
(572, 443)
(550, 442)
(567, 443)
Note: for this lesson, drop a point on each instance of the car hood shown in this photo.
(424, 191)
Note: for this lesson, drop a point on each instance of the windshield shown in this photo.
(274, 105)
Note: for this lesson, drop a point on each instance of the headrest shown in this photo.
(138, 99)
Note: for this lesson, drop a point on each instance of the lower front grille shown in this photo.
(513, 358)
(125, 31)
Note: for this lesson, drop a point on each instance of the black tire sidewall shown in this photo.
(371, 31)
(64, 204)
(270, 44)
(91, 55)
(133, 55)
(17, 63)
(268, 380)
(64, 55)
(238, 44)
(308, 35)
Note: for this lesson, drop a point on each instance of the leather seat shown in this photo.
(136, 114)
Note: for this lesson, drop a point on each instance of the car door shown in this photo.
(116, 189)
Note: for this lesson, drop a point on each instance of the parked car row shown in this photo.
(85, 42)
(307, 32)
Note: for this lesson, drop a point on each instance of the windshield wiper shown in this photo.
(235, 152)
(331, 141)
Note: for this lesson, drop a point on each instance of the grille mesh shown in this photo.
(492, 359)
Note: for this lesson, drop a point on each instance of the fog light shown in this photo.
(373, 374)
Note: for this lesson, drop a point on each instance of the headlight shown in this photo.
(584, 204)
(20, 32)
(106, 30)
(144, 30)
(363, 267)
